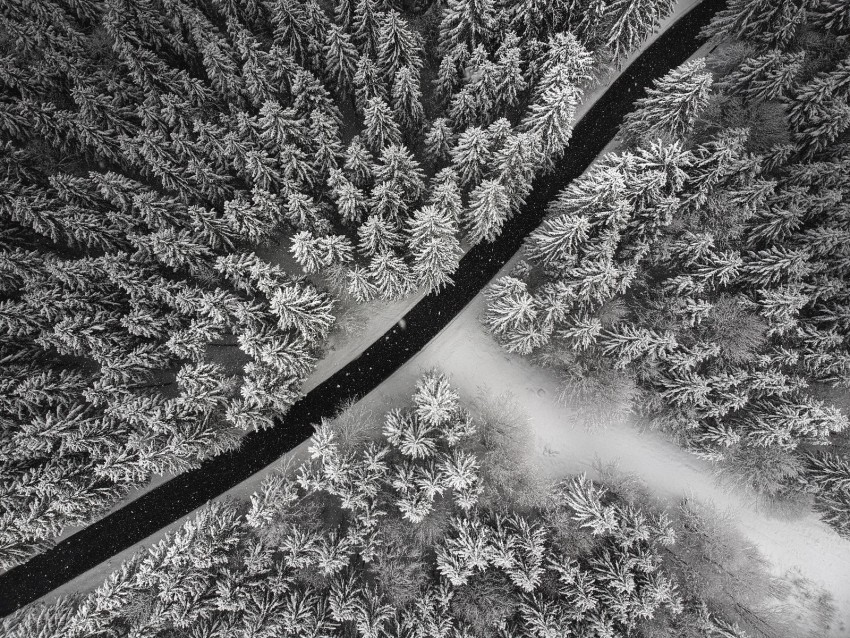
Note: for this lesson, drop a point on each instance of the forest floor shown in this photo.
(797, 546)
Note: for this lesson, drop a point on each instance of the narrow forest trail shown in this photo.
(84, 558)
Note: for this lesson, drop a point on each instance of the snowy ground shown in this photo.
(803, 546)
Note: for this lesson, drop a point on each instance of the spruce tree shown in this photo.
(434, 246)
(399, 167)
(359, 163)
(467, 23)
(439, 140)
(407, 100)
(341, 60)
(380, 128)
(367, 83)
(471, 155)
(366, 26)
(549, 119)
(766, 77)
(672, 104)
(376, 235)
(489, 207)
(625, 24)
(398, 45)
(765, 23)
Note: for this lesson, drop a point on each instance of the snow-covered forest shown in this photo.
(197, 196)
(149, 147)
(698, 276)
(429, 523)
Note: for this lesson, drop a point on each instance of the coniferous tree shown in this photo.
(471, 155)
(764, 23)
(381, 129)
(549, 119)
(624, 25)
(467, 23)
(341, 59)
(766, 77)
(367, 83)
(672, 104)
(489, 207)
(434, 246)
(439, 140)
(398, 46)
(407, 100)
(366, 26)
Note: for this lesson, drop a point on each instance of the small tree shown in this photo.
(341, 60)
(407, 100)
(380, 127)
(489, 207)
(434, 246)
(672, 104)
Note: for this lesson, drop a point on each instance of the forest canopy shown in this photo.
(151, 149)
(698, 276)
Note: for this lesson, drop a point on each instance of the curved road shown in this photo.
(179, 496)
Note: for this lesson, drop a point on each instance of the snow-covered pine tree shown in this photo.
(368, 83)
(446, 194)
(515, 165)
(407, 100)
(671, 105)
(626, 24)
(509, 81)
(367, 14)
(489, 208)
(398, 45)
(303, 308)
(439, 140)
(359, 163)
(549, 119)
(765, 77)
(467, 23)
(326, 145)
(391, 275)
(380, 128)
(434, 246)
(513, 316)
(376, 235)
(341, 60)
(471, 155)
(399, 167)
(764, 23)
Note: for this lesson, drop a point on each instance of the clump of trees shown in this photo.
(388, 535)
(706, 261)
(150, 148)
